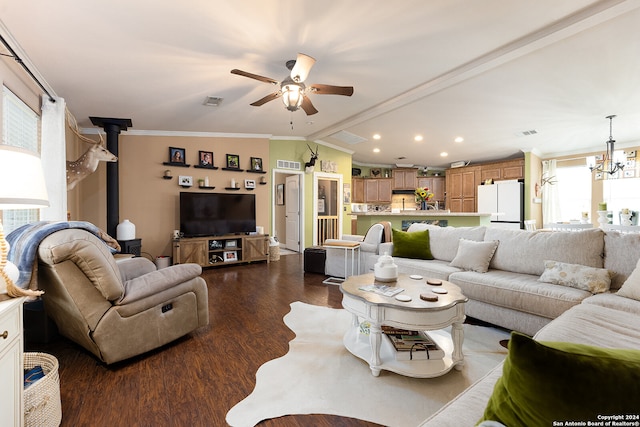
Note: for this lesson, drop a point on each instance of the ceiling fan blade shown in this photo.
(332, 90)
(300, 70)
(307, 106)
(266, 99)
(255, 76)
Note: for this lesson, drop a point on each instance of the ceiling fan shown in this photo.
(293, 91)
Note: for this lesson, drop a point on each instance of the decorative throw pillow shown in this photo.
(631, 286)
(411, 245)
(594, 280)
(474, 256)
(543, 382)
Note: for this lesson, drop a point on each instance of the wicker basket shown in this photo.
(42, 399)
(274, 253)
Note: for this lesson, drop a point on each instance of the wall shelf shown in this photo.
(180, 165)
(204, 187)
(233, 169)
(167, 177)
(254, 171)
(262, 183)
(205, 167)
(232, 188)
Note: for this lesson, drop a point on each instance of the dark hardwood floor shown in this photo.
(195, 380)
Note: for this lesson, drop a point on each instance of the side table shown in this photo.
(354, 247)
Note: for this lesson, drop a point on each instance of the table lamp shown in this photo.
(22, 186)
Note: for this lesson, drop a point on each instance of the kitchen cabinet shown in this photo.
(508, 169)
(377, 190)
(357, 190)
(436, 184)
(371, 190)
(404, 179)
(461, 186)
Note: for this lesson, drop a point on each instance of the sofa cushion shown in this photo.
(444, 240)
(434, 269)
(411, 244)
(543, 382)
(594, 280)
(631, 287)
(522, 251)
(474, 256)
(621, 252)
(521, 292)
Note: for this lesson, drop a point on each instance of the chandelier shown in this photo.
(608, 160)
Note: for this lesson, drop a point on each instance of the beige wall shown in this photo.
(151, 202)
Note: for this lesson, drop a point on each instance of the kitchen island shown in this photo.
(454, 219)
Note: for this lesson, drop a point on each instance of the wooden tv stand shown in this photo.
(216, 251)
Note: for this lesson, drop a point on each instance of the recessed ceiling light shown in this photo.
(376, 136)
(444, 154)
(418, 138)
(459, 139)
(376, 150)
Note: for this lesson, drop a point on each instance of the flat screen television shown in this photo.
(216, 214)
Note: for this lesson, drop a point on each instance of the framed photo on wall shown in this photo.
(280, 194)
(205, 159)
(176, 155)
(233, 161)
(249, 183)
(256, 164)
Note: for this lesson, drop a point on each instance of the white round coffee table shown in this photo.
(416, 315)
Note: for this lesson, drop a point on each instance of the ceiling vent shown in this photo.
(212, 101)
(348, 137)
(528, 132)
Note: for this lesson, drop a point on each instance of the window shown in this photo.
(574, 191)
(20, 128)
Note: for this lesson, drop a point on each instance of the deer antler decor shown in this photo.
(86, 164)
(308, 166)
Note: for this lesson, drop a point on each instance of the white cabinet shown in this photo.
(11, 362)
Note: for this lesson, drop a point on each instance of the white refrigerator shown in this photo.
(504, 200)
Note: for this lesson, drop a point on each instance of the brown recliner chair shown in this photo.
(117, 310)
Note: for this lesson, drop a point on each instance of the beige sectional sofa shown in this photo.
(511, 295)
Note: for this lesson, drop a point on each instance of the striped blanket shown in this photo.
(24, 242)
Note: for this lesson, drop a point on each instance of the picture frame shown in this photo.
(230, 256)
(321, 206)
(249, 183)
(280, 194)
(185, 181)
(230, 244)
(375, 172)
(256, 164)
(205, 159)
(177, 155)
(233, 161)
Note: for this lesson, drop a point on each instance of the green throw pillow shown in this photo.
(411, 245)
(543, 382)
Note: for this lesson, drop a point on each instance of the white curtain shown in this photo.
(550, 199)
(53, 154)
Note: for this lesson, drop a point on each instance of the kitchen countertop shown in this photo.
(400, 220)
(442, 213)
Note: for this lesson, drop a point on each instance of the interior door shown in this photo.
(292, 209)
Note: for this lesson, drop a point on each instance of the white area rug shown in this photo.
(319, 376)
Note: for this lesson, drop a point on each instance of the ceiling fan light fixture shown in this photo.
(292, 96)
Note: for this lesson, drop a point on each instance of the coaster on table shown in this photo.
(416, 276)
(430, 298)
(403, 298)
(439, 291)
(434, 282)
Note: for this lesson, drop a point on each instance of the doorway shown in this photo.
(287, 216)
(328, 206)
